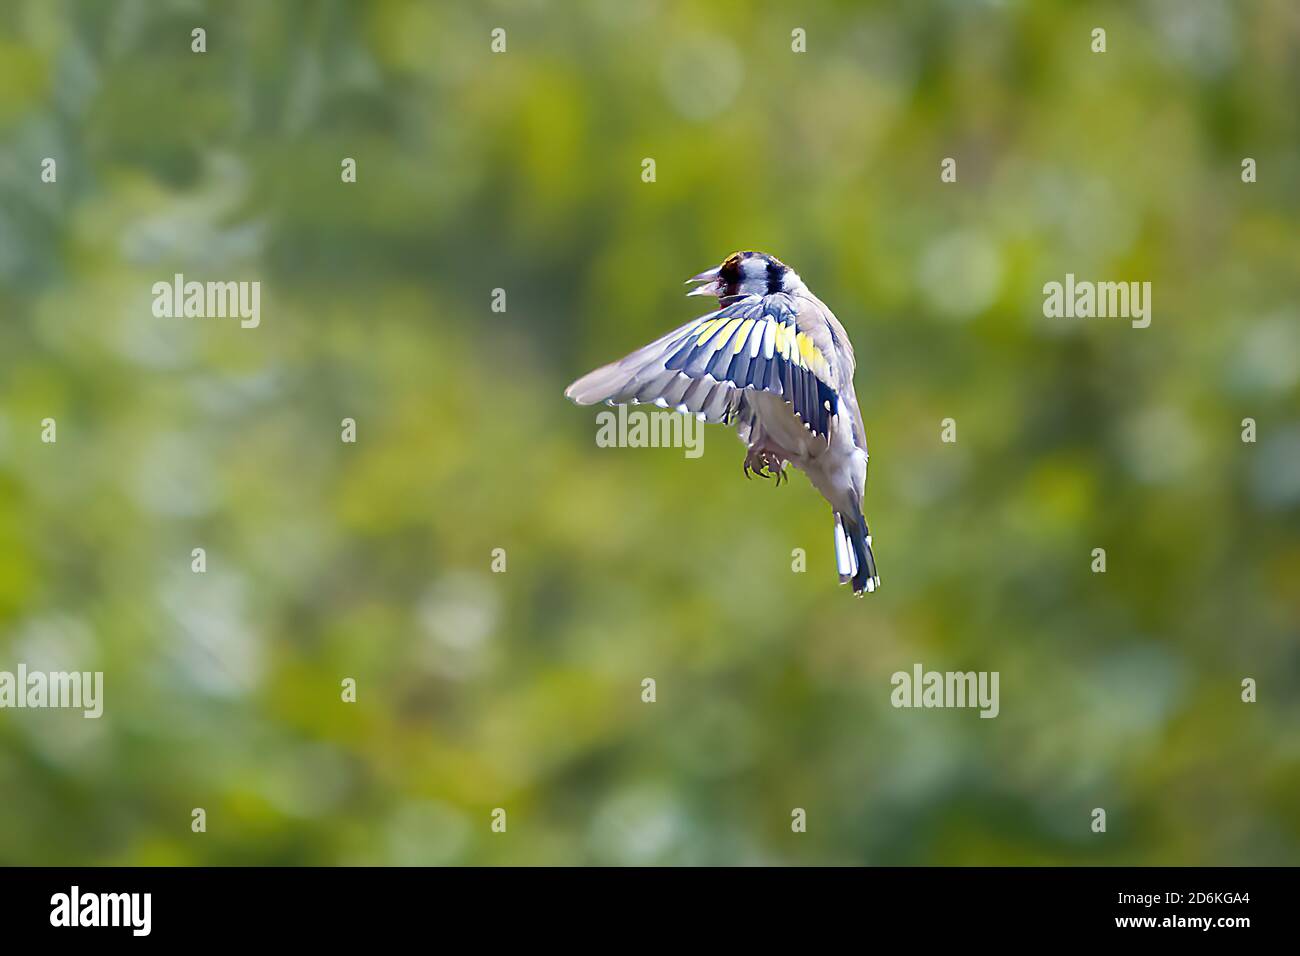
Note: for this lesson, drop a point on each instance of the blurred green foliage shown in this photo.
(522, 690)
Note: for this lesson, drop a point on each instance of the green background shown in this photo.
(522, 690)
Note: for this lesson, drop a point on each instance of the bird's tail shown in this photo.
(853, 555)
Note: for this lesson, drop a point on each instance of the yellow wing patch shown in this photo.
(783, 339)
(706, 329)
(787, 341)
(742, 337)
(796, 347)
(710, 332)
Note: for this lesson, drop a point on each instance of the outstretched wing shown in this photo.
(644, 377)
(751, 342)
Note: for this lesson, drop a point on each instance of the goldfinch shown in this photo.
(774, 361)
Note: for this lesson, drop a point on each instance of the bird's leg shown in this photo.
(776, 464)
(765, 463)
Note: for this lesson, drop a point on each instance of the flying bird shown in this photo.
(774, 361)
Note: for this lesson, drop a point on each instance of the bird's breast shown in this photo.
(783, 429)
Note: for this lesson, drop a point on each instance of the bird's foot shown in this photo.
(765, 463)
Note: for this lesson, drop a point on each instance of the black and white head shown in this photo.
(747, 273)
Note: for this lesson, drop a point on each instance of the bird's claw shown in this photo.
(765, 464)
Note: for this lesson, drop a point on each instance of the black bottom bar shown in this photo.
(334, 906)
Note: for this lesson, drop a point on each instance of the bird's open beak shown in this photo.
(711, 284)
